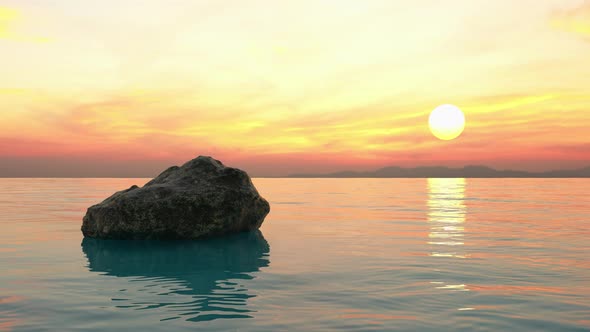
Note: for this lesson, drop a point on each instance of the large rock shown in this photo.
(202, 198)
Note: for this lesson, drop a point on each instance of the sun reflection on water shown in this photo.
(446, 216)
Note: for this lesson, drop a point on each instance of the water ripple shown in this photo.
(347, 254)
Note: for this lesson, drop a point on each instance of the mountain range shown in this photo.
(447, 172)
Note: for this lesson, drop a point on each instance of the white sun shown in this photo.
(446, 122)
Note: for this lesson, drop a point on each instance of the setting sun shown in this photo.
(446, 122)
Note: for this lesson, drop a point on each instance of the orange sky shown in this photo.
(116, 88)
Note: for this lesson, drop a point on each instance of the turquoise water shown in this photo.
(333, 254)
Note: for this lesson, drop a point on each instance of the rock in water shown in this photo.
(202, 198)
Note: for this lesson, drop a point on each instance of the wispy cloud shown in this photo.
(575, 20)
(12, 91)
(278, 86)
(10, 27)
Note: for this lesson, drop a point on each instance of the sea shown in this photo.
(332, 255)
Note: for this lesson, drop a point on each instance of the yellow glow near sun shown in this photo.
(446, 122)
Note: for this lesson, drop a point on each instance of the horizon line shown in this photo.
(366, 174)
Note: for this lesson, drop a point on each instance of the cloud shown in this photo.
(124, 127)
(7, 17)
(573, 151)
(12, 91)
(10, 19)
(494, 104)
(576, 20)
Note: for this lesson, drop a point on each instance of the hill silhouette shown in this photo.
(448, 172)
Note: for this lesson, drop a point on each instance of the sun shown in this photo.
(446, 122)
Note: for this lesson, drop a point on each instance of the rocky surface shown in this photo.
(202, 198)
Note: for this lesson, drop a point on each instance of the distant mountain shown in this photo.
(446, 172)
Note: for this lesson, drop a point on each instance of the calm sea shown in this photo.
(333, 254)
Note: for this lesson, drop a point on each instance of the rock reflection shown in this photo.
(446, 215)
(192, 280)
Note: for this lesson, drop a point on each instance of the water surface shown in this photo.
(333, 254)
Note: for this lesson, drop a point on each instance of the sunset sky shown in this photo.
(127, 88)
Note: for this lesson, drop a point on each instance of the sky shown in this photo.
(128, 88)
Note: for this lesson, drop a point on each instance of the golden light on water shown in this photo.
(446, 215)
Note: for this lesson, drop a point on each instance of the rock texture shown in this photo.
(202, 198)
